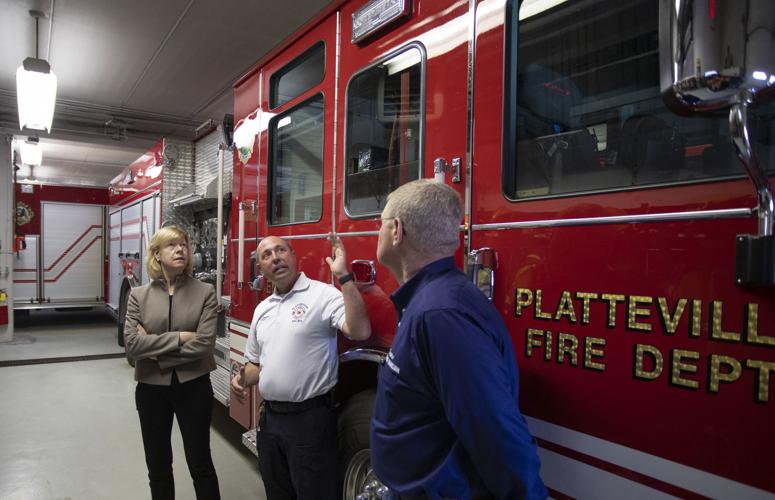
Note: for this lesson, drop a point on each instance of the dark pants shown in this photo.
(192, 403)
(297, 454)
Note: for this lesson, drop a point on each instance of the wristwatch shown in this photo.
(345, 278)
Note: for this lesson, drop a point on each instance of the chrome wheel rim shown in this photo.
(360, 481)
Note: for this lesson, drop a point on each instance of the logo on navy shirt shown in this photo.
(391, 363)
(298, 312)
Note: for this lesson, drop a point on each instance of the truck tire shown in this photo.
(121, 319)
(354, 451)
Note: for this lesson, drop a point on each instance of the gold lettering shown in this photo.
(640, 351)
(538, 313)
(612, 300)
(567, 344)
(633, 311)
(752, 327)
(670, 321)
(565, 307)
(585, 297)
(589, 350)
(678, 366)
(548, 350)
(522, 302)
(716, 331)
(696, 329)
(534, 339)
(717, 375)
(763, 380)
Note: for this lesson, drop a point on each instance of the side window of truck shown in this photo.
(383, 130)
(296, 164)
(298, 76)
(585, 113)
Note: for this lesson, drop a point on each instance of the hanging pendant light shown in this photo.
(36, 89)
(30, 151)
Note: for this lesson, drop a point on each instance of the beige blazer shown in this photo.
(192, 307)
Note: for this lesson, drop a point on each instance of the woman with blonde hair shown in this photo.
(170, 334)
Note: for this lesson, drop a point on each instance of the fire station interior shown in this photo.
(151, 84)
(128, 74)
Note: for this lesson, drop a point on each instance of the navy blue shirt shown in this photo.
(446, 418)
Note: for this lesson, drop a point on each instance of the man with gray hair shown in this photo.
(446, 418)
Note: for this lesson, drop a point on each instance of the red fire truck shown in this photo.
(174, 182)
(629, 253)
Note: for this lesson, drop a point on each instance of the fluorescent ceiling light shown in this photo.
(36, 91)
(31, 153)
(531, 8)
(402, 61)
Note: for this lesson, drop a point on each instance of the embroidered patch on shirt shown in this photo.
(391, 364)
(298, 312)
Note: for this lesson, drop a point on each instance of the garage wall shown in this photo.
(6, 234)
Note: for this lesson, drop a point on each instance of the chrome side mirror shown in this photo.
(716, 55)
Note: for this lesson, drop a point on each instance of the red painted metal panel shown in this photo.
(240, 411)
(678, 416)
(68, 194)
(145, 173)
(245, 194)
(246, 98)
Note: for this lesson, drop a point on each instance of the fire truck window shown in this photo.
(296, 164)
(384, 112)
(298, 76)
(586, 112)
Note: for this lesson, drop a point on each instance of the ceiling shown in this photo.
(151, 68)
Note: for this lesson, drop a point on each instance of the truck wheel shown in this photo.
(123, 300)
(122, 304)
(357, 476)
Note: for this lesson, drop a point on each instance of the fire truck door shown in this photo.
(296, 180)
(292, 177)
(402, 108)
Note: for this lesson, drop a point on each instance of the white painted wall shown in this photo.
(7, 211)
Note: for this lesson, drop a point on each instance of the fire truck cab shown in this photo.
(612, 232)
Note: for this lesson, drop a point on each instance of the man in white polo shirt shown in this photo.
(292, 357)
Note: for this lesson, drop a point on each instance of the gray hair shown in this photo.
(431, 213)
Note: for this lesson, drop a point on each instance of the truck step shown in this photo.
(221, 352)
(250, 440)
(220, 380)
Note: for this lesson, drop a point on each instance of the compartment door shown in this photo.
(26, 273)
(130, 239)
(72, 252)
(147, 230)
(115, 269)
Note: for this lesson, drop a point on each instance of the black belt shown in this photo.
(326, 399)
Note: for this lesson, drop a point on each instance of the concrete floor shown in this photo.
(45, 334)
(69, 430)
